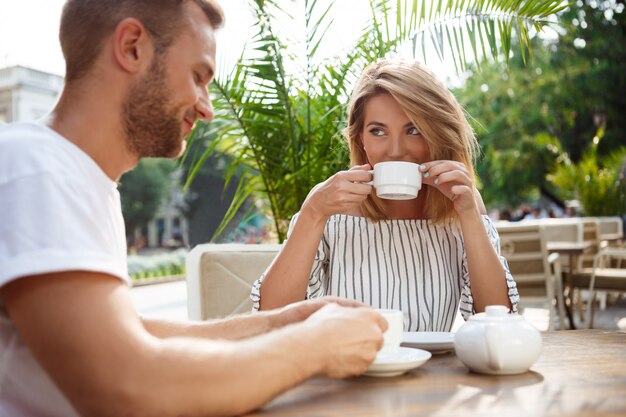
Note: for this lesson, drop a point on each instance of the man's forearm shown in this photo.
(195, 377)
(249, 373)
(232, 328)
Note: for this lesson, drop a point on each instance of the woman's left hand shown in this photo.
(453, 180)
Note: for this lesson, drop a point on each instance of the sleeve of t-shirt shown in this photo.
(52, 223)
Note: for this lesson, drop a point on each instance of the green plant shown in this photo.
(157, 265)
(280, 113)
(599, 183)
(527, 116)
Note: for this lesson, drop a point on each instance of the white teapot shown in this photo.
(496, 342)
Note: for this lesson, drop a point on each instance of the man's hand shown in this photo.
(345, 340)
(301, 310)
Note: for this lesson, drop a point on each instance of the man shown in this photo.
(70, 341)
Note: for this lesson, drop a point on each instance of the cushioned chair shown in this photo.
(537, 274)
(220, 276)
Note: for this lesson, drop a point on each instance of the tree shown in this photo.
(281, 112)
(533, 120)
(142, 190)
(208, 197)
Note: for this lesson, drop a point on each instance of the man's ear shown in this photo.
(132, 46)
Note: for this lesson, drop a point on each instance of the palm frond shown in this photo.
(279, 114)
(428, 23)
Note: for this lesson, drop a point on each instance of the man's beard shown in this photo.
(151, 123)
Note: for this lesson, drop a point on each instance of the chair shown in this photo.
(611, 230)
(606, 274)
(591, 233)
(537, 274)
(563, 230)
(220, 277)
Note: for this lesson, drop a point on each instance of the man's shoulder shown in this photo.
(18, 132)
(29, 148)
(21, 139)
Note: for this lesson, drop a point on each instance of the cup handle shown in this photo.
(371, 171)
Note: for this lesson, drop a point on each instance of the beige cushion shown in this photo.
(220, 276)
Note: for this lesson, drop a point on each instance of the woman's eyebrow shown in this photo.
(375, 123)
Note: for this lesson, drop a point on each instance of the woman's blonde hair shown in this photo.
(430, 106)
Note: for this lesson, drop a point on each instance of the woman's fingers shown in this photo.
(341, 192)
(453, 180)
(356, 175)
(451, 177)
(432, 170)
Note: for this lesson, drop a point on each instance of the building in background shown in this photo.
(170, 228)
(27, 94)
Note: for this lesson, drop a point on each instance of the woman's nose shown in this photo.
(397, 148)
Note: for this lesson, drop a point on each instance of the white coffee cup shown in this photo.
(396, 180)
(395, 330)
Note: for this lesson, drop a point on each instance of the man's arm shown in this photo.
(244, 325)
(83, 330)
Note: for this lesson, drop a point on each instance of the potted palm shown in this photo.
(279, 113)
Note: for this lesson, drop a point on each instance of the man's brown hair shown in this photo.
(85, 24)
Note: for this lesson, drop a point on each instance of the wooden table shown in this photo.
(572, 250)
(579, 373)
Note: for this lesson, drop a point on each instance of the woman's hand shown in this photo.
(453, 180)
(341, 193)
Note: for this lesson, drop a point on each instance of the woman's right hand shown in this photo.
(341, 193)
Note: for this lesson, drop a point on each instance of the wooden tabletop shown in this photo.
(579, 373)
(568, 248)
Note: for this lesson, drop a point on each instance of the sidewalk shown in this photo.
(161, 301)
(612, 318)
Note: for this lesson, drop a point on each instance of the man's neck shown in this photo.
(92, 120)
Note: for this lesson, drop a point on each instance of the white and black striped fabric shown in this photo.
(413, 265)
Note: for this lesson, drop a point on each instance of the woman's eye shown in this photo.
(377, 132)
(413, 131)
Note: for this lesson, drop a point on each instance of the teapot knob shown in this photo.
(496, 311)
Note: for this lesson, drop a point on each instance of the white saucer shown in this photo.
(397, 363)
(435, 342)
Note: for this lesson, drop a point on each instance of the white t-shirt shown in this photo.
(58, 212)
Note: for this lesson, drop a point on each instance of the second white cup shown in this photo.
(395, 330)
(396, 180)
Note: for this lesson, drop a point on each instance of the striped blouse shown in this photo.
(416, 266)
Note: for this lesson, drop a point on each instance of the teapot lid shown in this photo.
(496, 313)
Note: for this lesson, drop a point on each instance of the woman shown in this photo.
(427, 256)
